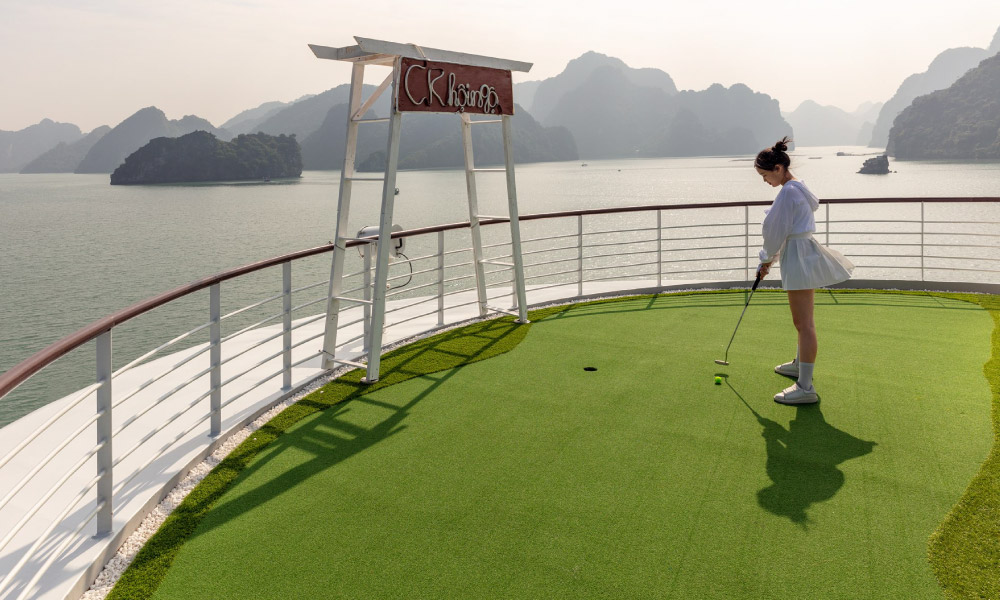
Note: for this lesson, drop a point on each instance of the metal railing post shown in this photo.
(922, 242)
(215, 356)
(579, 254)
(105, 459)
(440, 285)
(286, 309)
(746, 238)
(659, 248)
(827, 225)
(368, 249)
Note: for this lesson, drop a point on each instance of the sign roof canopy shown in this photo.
(379, 51)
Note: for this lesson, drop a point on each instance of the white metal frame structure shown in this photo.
(368, 52)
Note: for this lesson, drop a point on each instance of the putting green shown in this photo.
(525, 476)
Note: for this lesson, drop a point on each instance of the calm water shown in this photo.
(73, 248)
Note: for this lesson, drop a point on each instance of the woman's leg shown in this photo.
(801, 304)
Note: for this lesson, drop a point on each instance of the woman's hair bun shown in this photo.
(768, 159)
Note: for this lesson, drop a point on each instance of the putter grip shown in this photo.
(756, 282)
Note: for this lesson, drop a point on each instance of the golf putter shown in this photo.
(752, 290)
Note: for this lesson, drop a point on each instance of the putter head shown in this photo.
(722, 362)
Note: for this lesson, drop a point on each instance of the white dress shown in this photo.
(787, 229)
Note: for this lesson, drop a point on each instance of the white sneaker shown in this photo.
(796, 395)
(789, 369)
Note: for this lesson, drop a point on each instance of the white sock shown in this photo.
(806, 375)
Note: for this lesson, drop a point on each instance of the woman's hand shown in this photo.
(764, 269)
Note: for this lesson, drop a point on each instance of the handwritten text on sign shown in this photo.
(432, 86)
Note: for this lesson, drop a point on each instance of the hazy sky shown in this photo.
(95, 62)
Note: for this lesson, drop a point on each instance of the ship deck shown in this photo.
(589, 454)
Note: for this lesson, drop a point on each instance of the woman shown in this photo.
(805, 264)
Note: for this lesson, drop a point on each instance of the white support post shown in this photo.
(746, 238)
(579, 255)
(105, 458)
(384, 239)
(367, 267)
(286, 310)
(922, 276)
(343, 208)
(440, 282)
(515, 231)
(474, 229)
(659, 249)
(215, 358)
(827, 225)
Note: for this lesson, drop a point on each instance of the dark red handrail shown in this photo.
(31, 365)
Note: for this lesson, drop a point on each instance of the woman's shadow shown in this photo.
(802, 461)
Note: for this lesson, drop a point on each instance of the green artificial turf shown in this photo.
(527, 476)
(965, 550)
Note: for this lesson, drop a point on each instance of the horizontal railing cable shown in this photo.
(620, 231)
(306, 341)
(233, 335)
(642, 264)
(308, 358)
(38, 504)
(308, 304)
(121, 486)
(57, 553)
(253, 387)
(44, 537)
(170, 369)
(48, 458)
(159, 348)
(251, 306)
(310, 286)
(240, 353)
(73, 403)
(162, 425)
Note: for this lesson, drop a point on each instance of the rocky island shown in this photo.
(200, 156)
(878, 165)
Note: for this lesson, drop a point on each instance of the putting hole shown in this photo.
(590, 368)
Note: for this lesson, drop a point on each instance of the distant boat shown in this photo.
(584, 165)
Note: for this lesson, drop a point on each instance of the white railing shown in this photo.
(169, 407)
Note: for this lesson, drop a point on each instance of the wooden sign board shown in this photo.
(433, 86)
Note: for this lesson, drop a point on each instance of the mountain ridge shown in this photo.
(960, 122)
(942, 72)
(136, 131)
(19, 148)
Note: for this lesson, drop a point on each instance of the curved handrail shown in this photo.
(22, 371)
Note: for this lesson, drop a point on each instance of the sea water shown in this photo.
(74, 248)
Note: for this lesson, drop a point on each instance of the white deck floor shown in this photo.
(69, 557)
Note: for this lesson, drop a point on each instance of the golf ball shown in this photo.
(718, 381)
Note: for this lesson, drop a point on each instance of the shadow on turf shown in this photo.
(802, 460)
(727, 299)
(332, 438)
